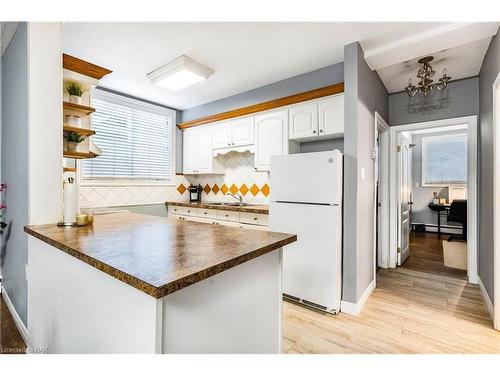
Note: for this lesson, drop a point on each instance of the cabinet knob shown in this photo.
(229, 144)
(233, 143)
(321, 130)
(314, 131)
(255, 218)
(227, 215)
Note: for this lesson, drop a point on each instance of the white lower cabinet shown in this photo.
(237, 219)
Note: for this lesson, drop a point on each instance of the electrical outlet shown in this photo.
(26, 271)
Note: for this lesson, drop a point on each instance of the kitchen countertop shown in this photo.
(253, 208)
(157, 255)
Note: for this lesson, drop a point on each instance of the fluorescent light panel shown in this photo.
(180, 73)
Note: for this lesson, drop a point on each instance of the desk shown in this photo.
(439, 208)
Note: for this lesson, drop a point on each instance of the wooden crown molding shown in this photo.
(83, 67)
(276, 103)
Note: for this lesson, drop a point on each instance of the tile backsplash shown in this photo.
(240, 178)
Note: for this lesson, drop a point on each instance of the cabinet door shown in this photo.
(331, 115)
(189, 151)
(205, 151)
(304, 120)
(243, 131)
(221, 134)
(272, 137)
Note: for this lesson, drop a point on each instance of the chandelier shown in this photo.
(425, 74)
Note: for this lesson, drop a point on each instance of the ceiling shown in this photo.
(249, 55)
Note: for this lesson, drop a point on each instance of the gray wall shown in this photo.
(422, 196)
(461, 98)
(364, 94)
(488, 74)
(15, 165)
(323, 145)
(309, 81)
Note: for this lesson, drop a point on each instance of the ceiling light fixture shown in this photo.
(180, 73)
(425, 73)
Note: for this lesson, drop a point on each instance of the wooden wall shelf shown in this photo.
(82, 131)
(78, 108)
(276, 103)
(78, 155)
(83, 67)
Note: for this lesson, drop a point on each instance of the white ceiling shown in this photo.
(244, 55)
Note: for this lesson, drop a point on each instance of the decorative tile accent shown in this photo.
(224, 189)
(243, 189)
(207, 189)
(233, 189)
(215, 189)
(181, 189)
(254, 190)
(265, 190)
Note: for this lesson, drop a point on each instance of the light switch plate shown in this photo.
(363, 174)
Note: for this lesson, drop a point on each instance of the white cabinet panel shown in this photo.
(304, 120)
(243, 131)
(204, 145)
(272, 137)
(189, 151)
(331, 115)
(222, 135)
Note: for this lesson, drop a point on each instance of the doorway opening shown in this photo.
(433, 191)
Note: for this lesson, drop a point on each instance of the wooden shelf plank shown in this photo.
(67, 169)
(276, 103)
(82, 131)
(78, 155)
(78, 108)
(84, 67)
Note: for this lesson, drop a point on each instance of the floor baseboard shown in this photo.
(17, 319)
(487, 300)
(354, 309)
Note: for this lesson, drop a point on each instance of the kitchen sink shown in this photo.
(236, 204)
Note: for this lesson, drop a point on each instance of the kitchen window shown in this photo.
(137, 142)
(444, 160)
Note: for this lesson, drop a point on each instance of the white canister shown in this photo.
(73, 120)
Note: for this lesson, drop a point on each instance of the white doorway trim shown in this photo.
(496, 203)
(382, 177)
(472, 167)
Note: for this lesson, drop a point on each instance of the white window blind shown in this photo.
(136, 139)
(444, 159)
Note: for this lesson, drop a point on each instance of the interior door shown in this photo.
(404, 197)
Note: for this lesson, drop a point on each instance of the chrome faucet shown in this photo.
(239, 197)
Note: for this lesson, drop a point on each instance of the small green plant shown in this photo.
(74, 88)
(73, 137)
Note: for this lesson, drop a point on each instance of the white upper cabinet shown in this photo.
(222, 134)
(197, 150)
(243, 131)
(234, 133)
(331, 115)
(272, 137)
(304, 120)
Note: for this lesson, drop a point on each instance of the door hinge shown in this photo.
(398, 148)
(399, 250)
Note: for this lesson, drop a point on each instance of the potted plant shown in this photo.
(75, 92)
(72, 139)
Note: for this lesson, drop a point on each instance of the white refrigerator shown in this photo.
(306, 200)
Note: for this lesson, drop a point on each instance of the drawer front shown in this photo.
(228, 215)
(180, 210)
(256, 219)
(207, 213)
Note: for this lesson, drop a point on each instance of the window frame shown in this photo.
(137, 103)
(424, 140)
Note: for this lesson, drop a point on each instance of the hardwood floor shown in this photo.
(426, 254)
(409, 312)
(11, 341)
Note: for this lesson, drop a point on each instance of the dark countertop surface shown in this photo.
(157, 255)
(253, 208)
